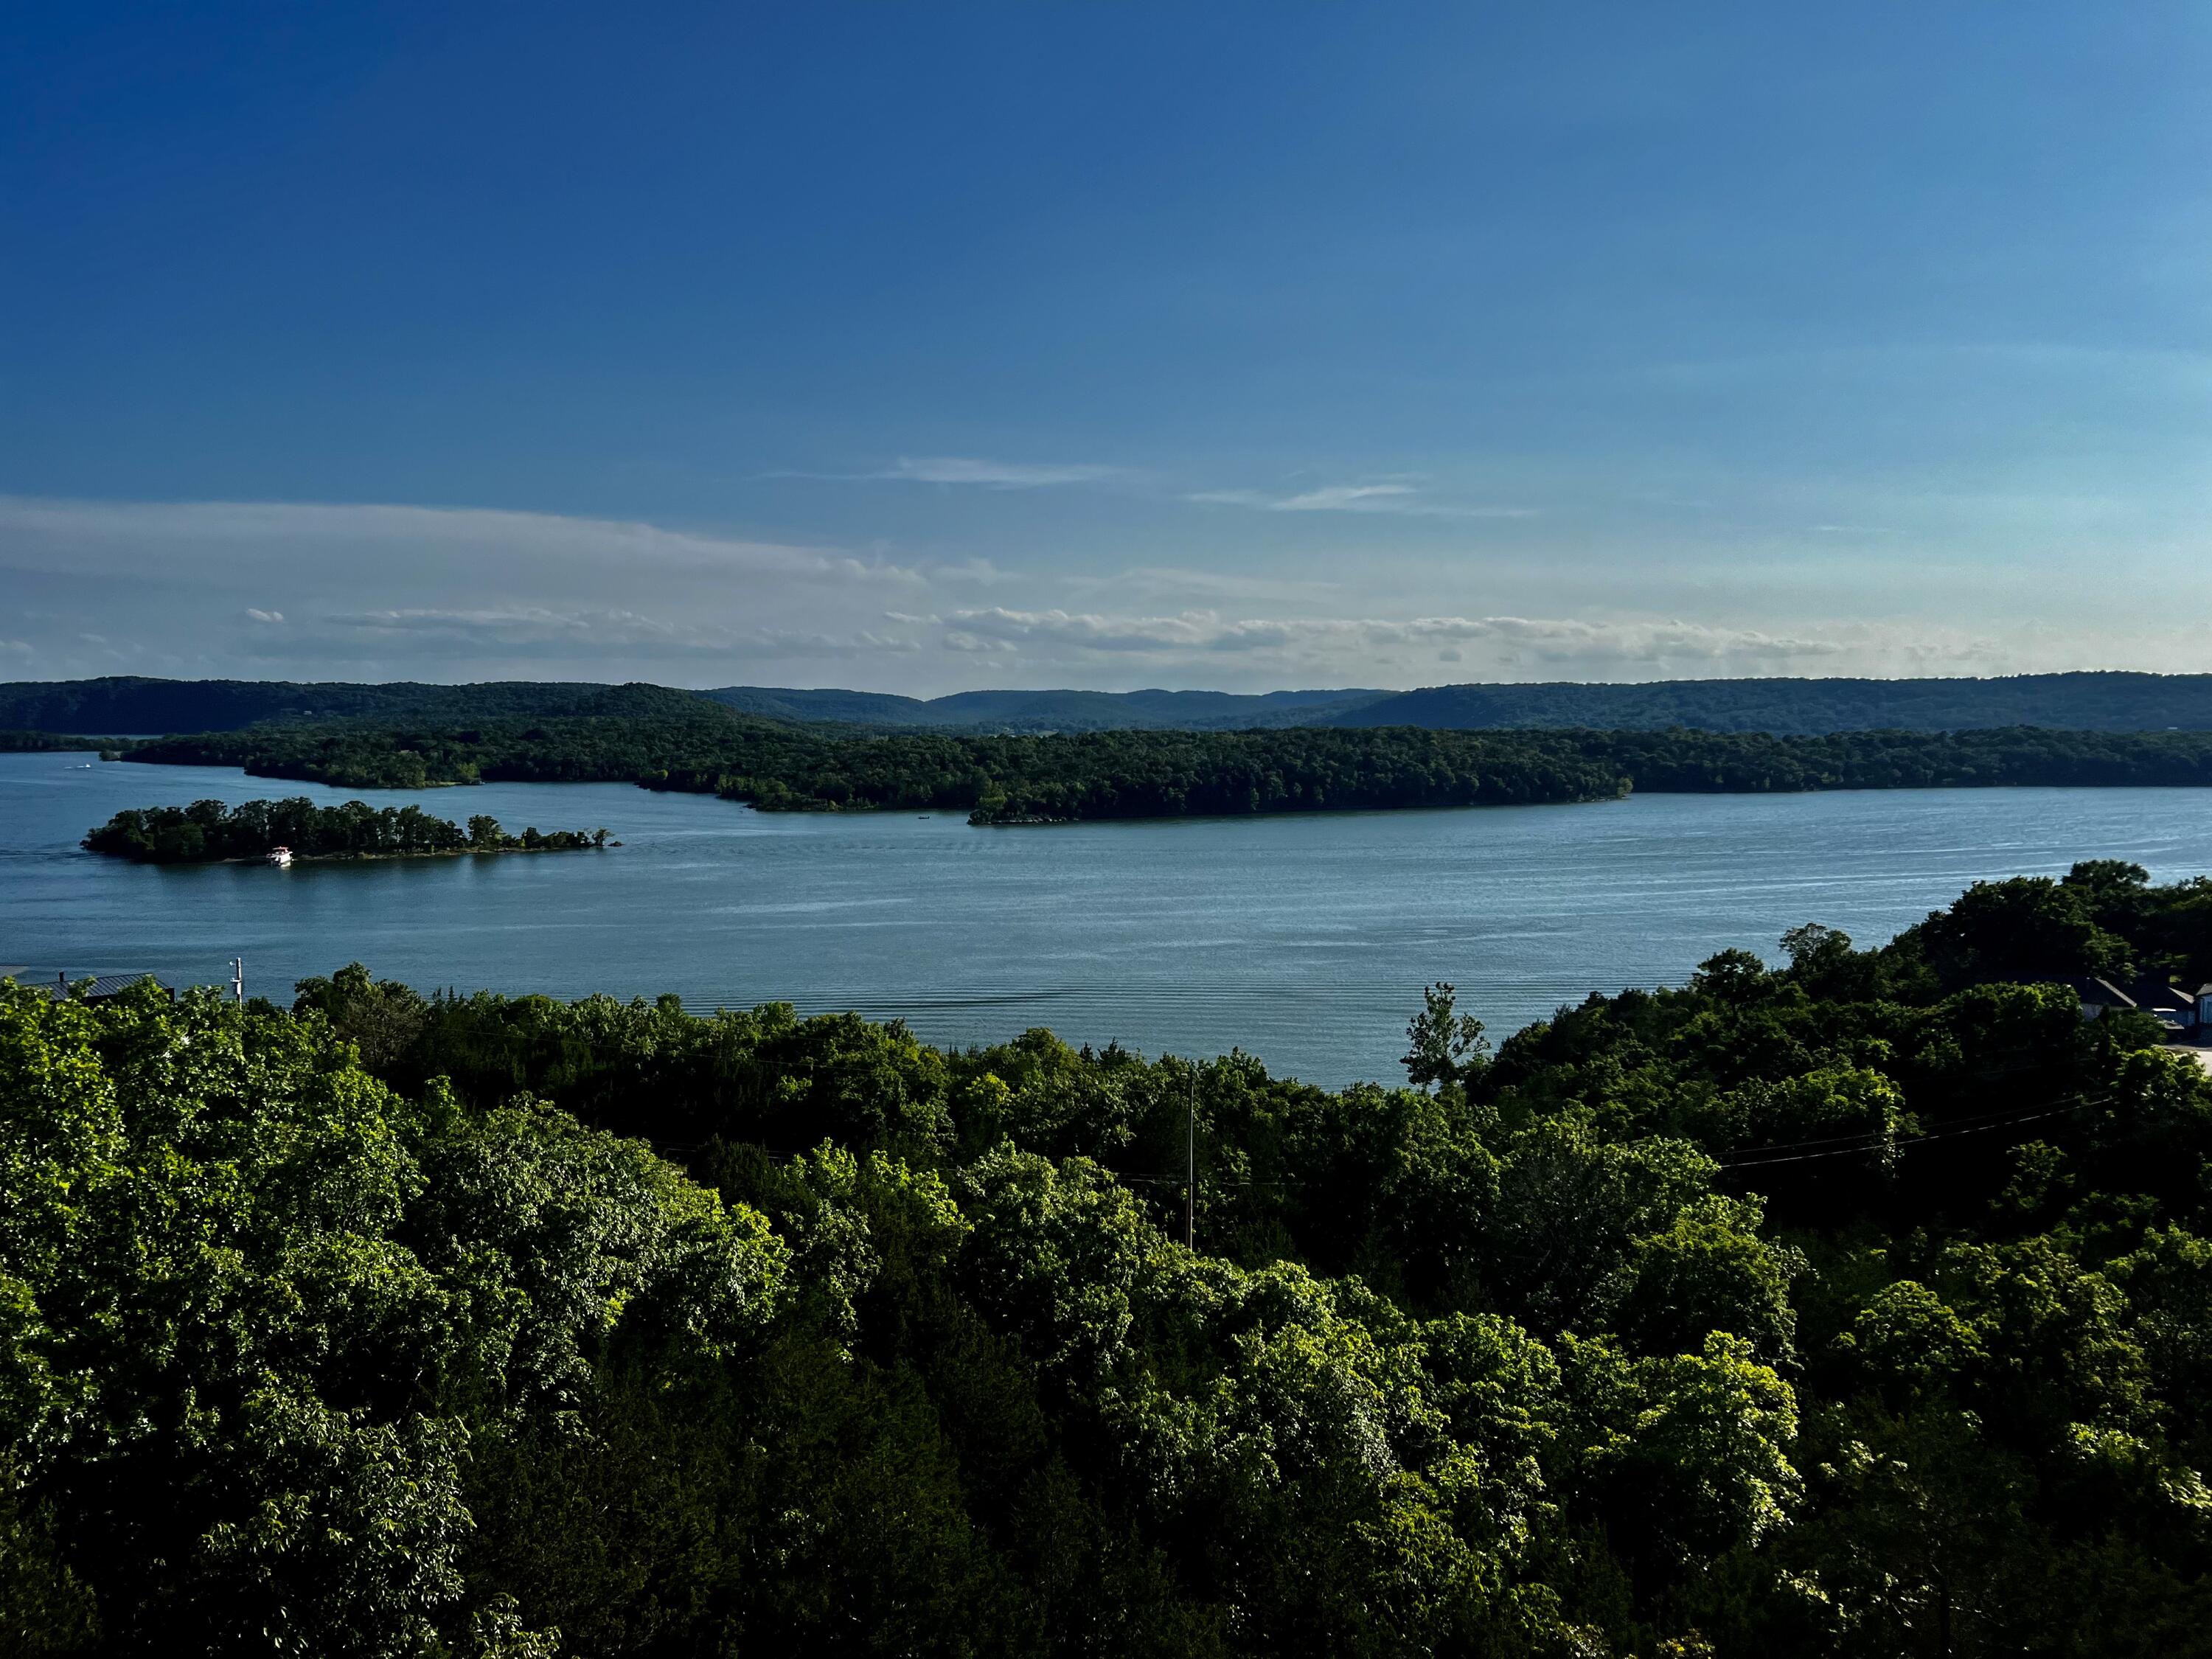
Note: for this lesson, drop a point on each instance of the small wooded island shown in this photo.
(211, 832)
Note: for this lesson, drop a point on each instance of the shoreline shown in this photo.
(355, 858)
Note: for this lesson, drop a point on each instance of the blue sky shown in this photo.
(926, 347)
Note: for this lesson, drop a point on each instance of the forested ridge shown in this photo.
(1858, 1307)
(208, 831)
(124, 702)
(2092, 702)
(1112, 774)
(2108, 701)
(19, 742)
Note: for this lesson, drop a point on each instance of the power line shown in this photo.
(1759, 1158)
(1871, 1138)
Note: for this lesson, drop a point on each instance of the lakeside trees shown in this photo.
(1127, 774)
(1854, 1307)
(1004, 779)
(208, 831)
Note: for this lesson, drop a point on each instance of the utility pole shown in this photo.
(1190, 1171)
(238, 980)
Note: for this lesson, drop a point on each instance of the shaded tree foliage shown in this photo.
(705, 748)
(1856, 1306)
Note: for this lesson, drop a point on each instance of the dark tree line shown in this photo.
(123, 702)
(208, 831)
(1854, 1307)
(35, 743)
(2102, 701)
(1122, 775)
(2095, 701)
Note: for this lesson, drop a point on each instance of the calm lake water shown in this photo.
(1305, 940)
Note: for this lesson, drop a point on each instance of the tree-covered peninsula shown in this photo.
(1125, 775)
(16, 742)
(1856, 1307)
(210, 831)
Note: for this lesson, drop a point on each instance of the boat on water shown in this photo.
(280, 856)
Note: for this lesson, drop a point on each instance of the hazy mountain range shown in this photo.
(2088, 702)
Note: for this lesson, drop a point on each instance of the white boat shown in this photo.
(280, 856)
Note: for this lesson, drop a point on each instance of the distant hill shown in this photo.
(1050, 711)
(125, 703)
(2084, 702)
(847, 707)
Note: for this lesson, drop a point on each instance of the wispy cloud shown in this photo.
(1170, 582)
(534, 620)
(1405, 495)
(542, 631)
(369, 590)
(383, 590)
(508, 630)
(1333, 498)
(1402, 495)
(1554, 639)
(1193, 630)
(1404, 499)
(232, 534)
(993, 475)
(979, 573)
(971, 471)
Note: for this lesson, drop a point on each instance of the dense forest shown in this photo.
(999, 779)
(149, 707)
(1120, 775)
(1156, 775)
(19, 742)
(2107, 702)
(1854, 1307)
(2090, 701)
(209, 831)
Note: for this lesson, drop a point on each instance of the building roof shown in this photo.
(2103, 992)
(2153, 995)
(95, 986)
(2156, 993)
